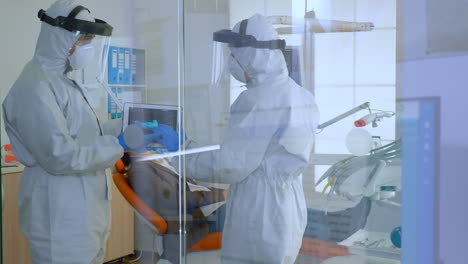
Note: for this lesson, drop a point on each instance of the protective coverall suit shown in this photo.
(267, 146)
(64, 192)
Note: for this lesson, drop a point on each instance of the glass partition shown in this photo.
(254, 131)
(308, 151)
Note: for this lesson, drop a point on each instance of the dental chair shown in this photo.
(207, 248)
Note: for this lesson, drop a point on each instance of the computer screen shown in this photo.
(164, 114)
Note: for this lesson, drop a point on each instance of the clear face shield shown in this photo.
(89, 53)
(229, 59)
(90, 50)
(219, 92)
(220, 74)
(227, 49)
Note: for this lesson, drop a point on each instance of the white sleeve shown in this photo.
(247, 139)
(42, 128)
(112, 127)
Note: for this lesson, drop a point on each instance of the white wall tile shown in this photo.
(381, 12)
(334, 59)
(333, 9)
(376, 57)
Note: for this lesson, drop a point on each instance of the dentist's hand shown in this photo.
(132, 139)
(166, 136)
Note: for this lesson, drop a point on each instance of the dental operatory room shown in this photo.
(234, 131)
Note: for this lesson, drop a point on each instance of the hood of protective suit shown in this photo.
(54, 43)
(262, 66)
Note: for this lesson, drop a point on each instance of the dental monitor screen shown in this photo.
(420, 133)
(164, 114)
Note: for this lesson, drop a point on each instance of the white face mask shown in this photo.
(81, 57)
(236, 70)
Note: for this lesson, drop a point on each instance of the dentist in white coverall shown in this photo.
(64, 193)
(266, 148)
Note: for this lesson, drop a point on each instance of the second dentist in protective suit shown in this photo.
(266, 148)
(64, 193)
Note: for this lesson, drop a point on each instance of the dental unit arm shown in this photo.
(344, 115)
(314, 25)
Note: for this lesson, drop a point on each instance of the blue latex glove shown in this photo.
(166, 136)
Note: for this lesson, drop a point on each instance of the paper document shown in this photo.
(209, 209)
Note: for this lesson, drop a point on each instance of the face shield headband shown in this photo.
(70, 23)
(241, 39)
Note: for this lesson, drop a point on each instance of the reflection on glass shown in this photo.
(344, 54)
(220, 101)
(266, 146)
